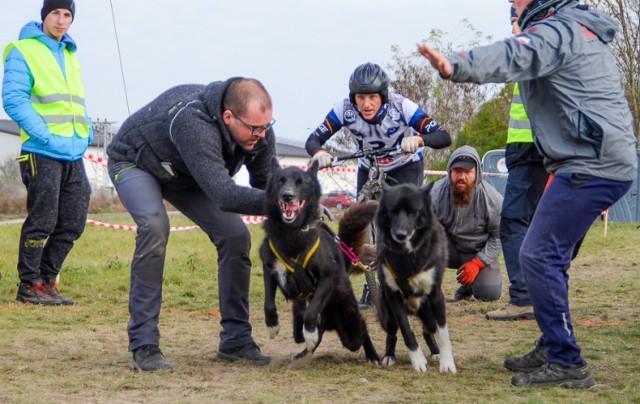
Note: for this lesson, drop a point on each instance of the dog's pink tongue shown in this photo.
(292, 207)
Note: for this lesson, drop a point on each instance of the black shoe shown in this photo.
(52, 289)
(249, 352)
(529, 362)
(365, 300)
(463, 293)
(551, 374)
(149, 358)
(36, 294)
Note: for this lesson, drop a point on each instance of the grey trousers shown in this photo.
(488, 284)
(142, 195)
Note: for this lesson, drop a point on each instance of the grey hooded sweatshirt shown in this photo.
(181, 139)
(474, 228)
(570, 88)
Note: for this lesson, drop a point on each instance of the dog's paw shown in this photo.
(447, 365)
(300, 354)
(389, 360)
(273, 331)
(311, 339)
(418, 360)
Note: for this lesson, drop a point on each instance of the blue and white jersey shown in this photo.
(403, 118)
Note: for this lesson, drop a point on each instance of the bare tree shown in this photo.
(451, 104)
(626, 48)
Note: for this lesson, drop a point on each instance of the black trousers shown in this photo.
(58, 195)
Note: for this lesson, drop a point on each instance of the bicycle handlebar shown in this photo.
(367, 153)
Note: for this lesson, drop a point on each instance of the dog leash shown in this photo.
(355, 260)
(348, 251)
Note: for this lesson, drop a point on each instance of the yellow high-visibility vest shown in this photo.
(519, 125)
(59, 100)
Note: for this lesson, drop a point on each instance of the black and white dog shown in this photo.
(412, 254)
(302, 258)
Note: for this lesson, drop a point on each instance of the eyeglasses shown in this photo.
(255, 130)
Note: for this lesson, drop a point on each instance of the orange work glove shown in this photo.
(467, 272)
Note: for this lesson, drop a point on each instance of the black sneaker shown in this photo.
(529, 362)
(365, 300)
(249, 352)
(463, 293)
(551, 374)
(52, 289)
(149, 358)
(36, 294)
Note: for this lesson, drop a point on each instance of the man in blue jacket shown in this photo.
(582, 126)
(43, 94)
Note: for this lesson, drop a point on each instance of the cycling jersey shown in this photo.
(403, 118)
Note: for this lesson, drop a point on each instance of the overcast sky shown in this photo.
(302, 50)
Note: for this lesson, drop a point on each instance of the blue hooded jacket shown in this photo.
(16, 98)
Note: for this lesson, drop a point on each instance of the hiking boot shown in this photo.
(149, 358)
(365, 300)
(52, 289)
(551, 374)
(511, 312)
(36, 294)
(529, 362)
(463, 293)
(249, 352)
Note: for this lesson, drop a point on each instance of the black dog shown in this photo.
(412, 254)
(301, 256)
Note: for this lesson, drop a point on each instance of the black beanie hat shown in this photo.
(50, 5)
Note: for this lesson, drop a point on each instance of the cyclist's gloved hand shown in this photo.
(411, 144)
(468, 271)
(323, 157)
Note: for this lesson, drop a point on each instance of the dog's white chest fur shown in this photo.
(420, 284)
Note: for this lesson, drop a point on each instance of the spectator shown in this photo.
(525, 185)
(582, 126)
(469, 209)
(184, 147)
(42, 92)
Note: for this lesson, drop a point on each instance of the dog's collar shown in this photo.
(395, 276)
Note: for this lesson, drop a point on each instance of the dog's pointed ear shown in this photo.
(313, 170)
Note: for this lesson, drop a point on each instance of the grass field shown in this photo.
(79, 353)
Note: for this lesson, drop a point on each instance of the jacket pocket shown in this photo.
(590, 132)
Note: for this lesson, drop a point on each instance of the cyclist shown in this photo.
(379, 119)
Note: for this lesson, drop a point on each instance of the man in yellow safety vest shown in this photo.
(43, 94)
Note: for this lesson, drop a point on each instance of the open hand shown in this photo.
(438, 61)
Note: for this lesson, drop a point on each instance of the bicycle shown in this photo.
(371, 191)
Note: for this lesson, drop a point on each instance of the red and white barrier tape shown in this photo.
(96, 159)
(245, 219)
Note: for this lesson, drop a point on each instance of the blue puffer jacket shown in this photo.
(16, 98)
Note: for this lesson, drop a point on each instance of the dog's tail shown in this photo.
(353, 229)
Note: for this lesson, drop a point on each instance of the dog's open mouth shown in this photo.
(291, 209)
